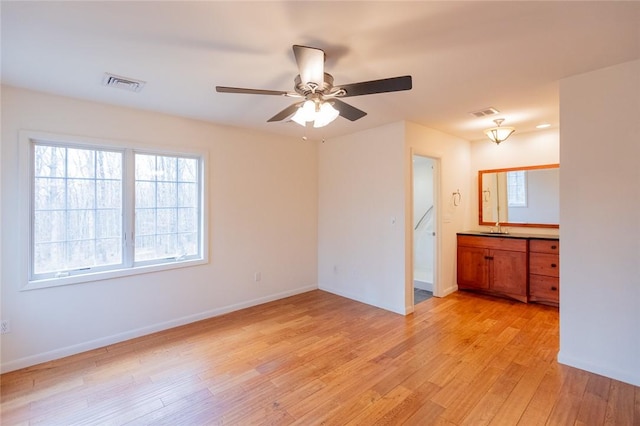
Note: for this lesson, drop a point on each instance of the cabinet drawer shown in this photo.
(513, 244)
(543, 288)
(545, 246)
(544, 264)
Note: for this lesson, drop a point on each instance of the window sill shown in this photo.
(107, 275)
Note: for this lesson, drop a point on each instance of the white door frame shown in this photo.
(437, 226)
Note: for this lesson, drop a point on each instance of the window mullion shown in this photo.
(155, 207)
(65, 176)
(128, 208)
(95, 206)
(201, 195)
(32, 209)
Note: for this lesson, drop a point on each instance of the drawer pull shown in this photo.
(554, 247)
(488, 257)
(554, 288)
(553, 265)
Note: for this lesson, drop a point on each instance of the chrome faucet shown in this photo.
(499, 229)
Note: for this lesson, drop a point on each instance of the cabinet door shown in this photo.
(509, 272)
(472, 267)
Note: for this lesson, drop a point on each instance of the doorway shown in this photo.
(424, 226)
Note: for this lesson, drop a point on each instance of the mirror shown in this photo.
(520, 196)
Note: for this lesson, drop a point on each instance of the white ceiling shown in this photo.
(463, 56)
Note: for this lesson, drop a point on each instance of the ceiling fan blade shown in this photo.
(288, 111)
(224, 89)
(310, 62)
(347, 111)
(393, 84)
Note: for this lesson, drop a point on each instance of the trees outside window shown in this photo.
(98, 209)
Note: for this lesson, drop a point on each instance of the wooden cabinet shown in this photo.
(494, 265)
(525, 268)
(544, 271)
(473, 268)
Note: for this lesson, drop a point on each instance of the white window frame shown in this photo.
(138, 263)
(522, 184)
(26, 140)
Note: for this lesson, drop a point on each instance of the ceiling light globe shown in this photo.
(309, 110)
(326, 115)
(306, 112)
(499, 134)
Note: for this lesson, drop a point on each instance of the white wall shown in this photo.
(452, 173)
(600, 216)
(521, 149)
(365, 212)
(263, 215)
(361, 219)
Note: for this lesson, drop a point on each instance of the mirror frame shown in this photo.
(511, 169)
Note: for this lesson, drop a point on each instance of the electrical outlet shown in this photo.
(5, 327)
(257, 276)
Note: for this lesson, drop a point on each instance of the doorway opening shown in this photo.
(424, 227)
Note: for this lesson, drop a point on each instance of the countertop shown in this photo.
(511, 235)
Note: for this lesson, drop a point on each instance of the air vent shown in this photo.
(125, 83)
(484, 112)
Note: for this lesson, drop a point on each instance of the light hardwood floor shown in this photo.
(317, 358)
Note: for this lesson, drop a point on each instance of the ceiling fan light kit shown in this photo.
(499, 134)
(321, 104)
(317, 112)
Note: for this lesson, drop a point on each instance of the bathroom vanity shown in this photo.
(544, 271)
(524, 267)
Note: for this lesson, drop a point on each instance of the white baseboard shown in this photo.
(631, 377)
(143, 331)
(447, 291)
(358, 298)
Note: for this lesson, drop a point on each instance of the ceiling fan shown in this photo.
(321, 104)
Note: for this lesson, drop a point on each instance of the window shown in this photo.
(77, 209)
(99, 211)
(166, 205)
(517, 188)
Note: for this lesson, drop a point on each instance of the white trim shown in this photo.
(131, 211)
(630, 377)
(402, 310)
(107, 275)
(26, 135)
(129, 199)
(24, 204)
(447, 291)
(143, 331)
(438, 289)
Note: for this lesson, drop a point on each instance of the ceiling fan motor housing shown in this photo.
(307, 88)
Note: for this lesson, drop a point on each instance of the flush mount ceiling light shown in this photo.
(499, 134)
